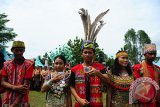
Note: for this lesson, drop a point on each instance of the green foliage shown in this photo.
(134, 44)
(6, 34)
(104, 59)
(37, 99)
(75, 47)
(110, 62)
(101, 56)
(72, 52)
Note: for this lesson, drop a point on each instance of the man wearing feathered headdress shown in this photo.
(85, 81)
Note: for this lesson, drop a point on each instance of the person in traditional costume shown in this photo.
(16, 74)
(147, 69)
(86, 78)
(37, 78)
(45, 71)
(119, 80)
(2, 60)
(56, 85)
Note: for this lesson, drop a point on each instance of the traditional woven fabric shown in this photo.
(146, 70)
(95, 85)
(120, 82)
(16, 75)
(88, 44)
(57, 95)
(118, 90)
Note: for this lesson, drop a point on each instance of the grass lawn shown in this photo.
(37, 99)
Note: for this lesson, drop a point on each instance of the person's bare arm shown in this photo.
(19, 88)
(104, 77)
(82, 102)
(20, 96)
(47, 84)
(5, 84)
(69, 98)
(74, 93)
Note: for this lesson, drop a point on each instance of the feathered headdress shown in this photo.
(91, 29)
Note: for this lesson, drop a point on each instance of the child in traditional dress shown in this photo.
(56, 85)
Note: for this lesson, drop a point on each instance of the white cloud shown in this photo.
(46, 24)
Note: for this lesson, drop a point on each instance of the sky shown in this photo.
(45, 24)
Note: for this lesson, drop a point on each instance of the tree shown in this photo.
(143, 39)
(110, 62)
(102, 57)
(72, 52)
(134, 44)
(75, 48)
(6, 34)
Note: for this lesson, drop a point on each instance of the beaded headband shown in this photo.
(123, 53)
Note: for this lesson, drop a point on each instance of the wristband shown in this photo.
(49, 83)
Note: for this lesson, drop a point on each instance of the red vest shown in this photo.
(96, 99)
(145, 70)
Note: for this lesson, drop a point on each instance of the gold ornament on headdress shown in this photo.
(91, 29)
(122, 53)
